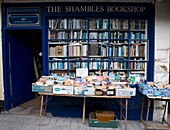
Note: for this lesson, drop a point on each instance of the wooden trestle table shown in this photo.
(151, 97)
(125, 106)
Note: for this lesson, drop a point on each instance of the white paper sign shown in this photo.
(81, 72)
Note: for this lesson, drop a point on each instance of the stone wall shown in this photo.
(162, 48)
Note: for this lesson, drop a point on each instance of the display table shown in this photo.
(84, 104)
(151, 97)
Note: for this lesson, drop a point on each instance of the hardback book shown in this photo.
(92, 24)
(93, 35)
(94, 49)
(59, 51)
(142, 50)
(42, 80)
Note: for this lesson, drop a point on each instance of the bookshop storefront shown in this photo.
(106, 37)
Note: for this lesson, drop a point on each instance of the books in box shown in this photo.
(126, 92)
(89, 90)
(42, 88)
(84, 90)
(78, 90)
(42, 80)
(60, 89)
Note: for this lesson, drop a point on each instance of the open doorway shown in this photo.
(23, 65)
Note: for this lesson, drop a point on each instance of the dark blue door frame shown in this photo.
(5, 52)
(6, 71)
(17, 60)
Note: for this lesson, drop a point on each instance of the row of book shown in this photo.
(58, 50)
(96, 24)
(57, 23)
(113, 42)
(63, 35)
(78, 50)
(77, 23)
(96, 65)
(138, 24)
(77, 35)
(73, 65)
(98, 35)
(137, 65)
(138, 35)
(67, 35)
(60, 65)
(118, 24)
(118, 66)
(136, 50)
(119, 35)
(72, 24)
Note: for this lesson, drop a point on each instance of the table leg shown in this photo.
(41, 105)
(126, 114)
(147, 115)
(121, 109)
(84, 109)
(163, 118)
(141, 114)
(45, 107)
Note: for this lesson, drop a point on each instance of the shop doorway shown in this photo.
(22, 55)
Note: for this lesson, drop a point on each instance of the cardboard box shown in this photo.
(126, 92)
(59, 89)
(93, 122)
(42, 88)
(78, 90)
(105, 115)
(89, 91)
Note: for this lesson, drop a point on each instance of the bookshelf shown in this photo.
(108, 45)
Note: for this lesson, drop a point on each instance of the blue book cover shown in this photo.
(119, 51)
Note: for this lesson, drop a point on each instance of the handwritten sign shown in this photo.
(81, 72)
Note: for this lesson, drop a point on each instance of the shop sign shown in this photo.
(23, 17)
(118, 9)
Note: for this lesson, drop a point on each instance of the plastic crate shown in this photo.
(93, 122)
(149, 91)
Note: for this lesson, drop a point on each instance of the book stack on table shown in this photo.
(84, 86)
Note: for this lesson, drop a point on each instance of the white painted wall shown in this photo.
(162, 48)
(1, 69)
